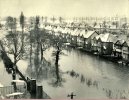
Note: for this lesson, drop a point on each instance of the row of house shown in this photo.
(92, 41)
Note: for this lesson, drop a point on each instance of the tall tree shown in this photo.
(94, 24)
(11, 23)
(40, 38)
(37, 36)
(53, 19)
(115, 23)
(57, 73)
(124, 26)
(22, 22)
(12, 42)
(60, 19)
(104, 24)
(56, 55)
(46, 18)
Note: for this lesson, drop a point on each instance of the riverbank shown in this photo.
(111, 58)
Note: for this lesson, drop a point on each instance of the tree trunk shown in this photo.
(22, 45)
(56, 64)
(41, 51)
(30, 50)
(14, 73)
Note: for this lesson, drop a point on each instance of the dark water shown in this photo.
(85, 75)
(88, 76)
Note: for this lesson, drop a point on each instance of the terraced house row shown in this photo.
(103, 44)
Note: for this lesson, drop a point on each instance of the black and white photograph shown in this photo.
(64, 49)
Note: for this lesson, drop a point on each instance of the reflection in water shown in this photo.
(42, 70)
(83, 79)
(87, 75)
(59, 79)
(121, 94)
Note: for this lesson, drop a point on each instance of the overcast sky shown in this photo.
(64, 7)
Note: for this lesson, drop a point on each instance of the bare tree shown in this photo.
(124, 26)
(12, 44)
(12, 41)
(53, 19)
(56, 54)
(115, 23)
(104, 24)
(94, 24)
(60, 19)
(22, 22)
(11, 23)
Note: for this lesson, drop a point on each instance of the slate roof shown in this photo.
(82, 33)
(121, 38)
(88, 34)
(48, 27)
(107, 37)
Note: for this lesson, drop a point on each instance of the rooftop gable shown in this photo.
(82, 32)
(107, 37)
(88, 34)
(126, 43)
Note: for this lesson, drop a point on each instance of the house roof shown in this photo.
(73, 32)
(77, 32)
(112, 38)
(97, 26)
(99, 36)
(126, 42)
(107, 37)
(121, 38)
(88, 34)
(69, 31)
(104, 38)
(59, 28)
(120, 42)
(55, 30)
(112, 27)
(64, 30)
(82, 32)
(48, 27)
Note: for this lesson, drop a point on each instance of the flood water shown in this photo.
(97, 77)
(86, 75)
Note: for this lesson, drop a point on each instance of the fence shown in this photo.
(10, 89)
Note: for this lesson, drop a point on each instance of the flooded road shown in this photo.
(87, 76)
(5, 78)
(96, 77)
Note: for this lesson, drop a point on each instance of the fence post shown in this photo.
(28, 84)
(33, 88)
(39, 93)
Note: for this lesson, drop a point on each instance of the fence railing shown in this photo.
(10, 89)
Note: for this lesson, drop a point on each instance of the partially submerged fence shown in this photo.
(10, 89)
